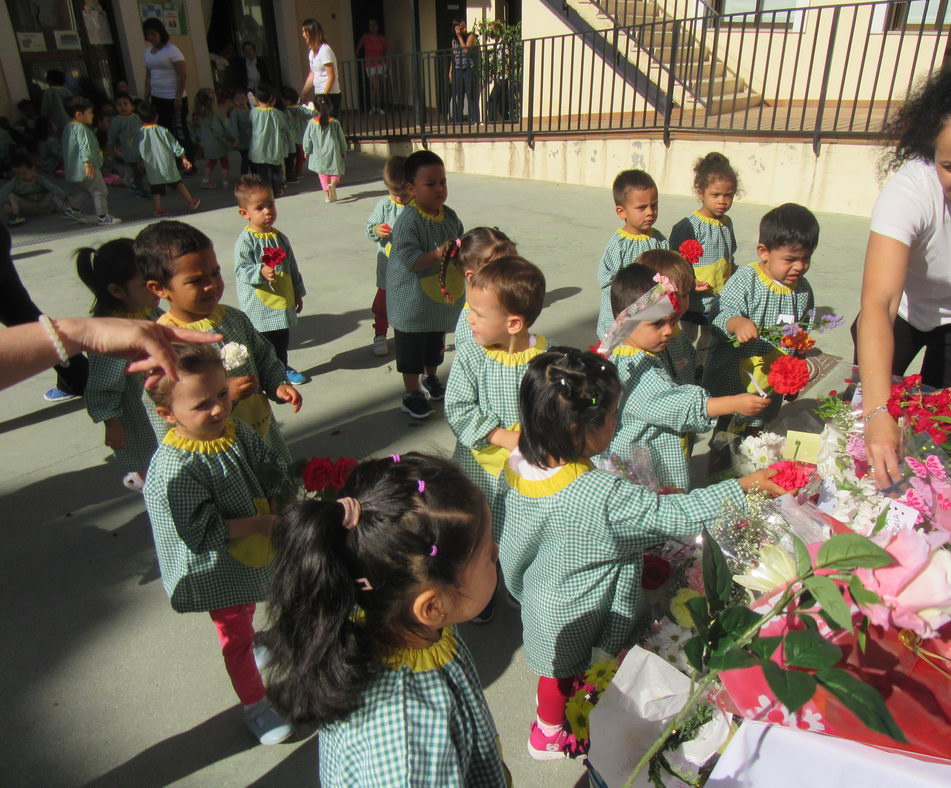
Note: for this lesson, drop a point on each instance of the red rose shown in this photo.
(691, 251)
(788, 375)
(272, 257)
(655, 573)
(792, 475)
(342, 469)
(317, 474)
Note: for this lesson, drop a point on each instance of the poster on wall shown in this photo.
(97, 23)
(170, 13)
(31, 42)
(67, 39)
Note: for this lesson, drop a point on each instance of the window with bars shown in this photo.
(920, 15)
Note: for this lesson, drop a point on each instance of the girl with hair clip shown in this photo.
(366, 594)
(324, 148)
(572, 536)
(113, 397)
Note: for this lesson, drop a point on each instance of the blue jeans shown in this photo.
(464, 84)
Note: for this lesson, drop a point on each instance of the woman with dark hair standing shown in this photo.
(462, 74)
(323, 79)
(906, 290)
(165, 77)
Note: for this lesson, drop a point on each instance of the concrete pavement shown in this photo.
(102, 683)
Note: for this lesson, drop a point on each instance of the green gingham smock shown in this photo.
(269, 309)
(124, 136)
(656, 412)
(160, 152)
(79, 147)
(213, 135)
(571, 553)
(413, 300)
(680, 358)
(262, 362)
(482, 394)
(423, 721)
(716, 264)
(623, 249)
(191, 488)
(750, 293)
(31, 191)
(269, 131)
(325, 147)
(239, 122)
(297, 118)
(463, 333)
(111, 393)
(386, 211)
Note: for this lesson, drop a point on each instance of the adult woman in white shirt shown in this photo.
(323, 79)
(165, 77)
(906, 290)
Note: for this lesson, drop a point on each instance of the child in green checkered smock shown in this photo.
(366, 596)
(215, 137)
(325, 148)
(253, 367)
(269, 133)
(123, 139)
(239, 123)
(212, 519)
(161, 153)
(113, 397)
(82, 158)
(572, 536)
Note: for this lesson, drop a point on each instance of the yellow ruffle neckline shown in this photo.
(627, 350)
(631, 236)
(148, 125)
(708, 220)
(437, 217)
(216, 446)
(397, 202)
(772, 284)
(267, 236)
(542, 488)
(206, 324)
(520, 358)
(420, 660)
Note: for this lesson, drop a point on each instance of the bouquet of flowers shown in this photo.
(923, 412)
(656, 303)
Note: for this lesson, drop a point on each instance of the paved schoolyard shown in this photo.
(101, 682)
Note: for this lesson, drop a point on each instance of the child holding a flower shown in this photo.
(270, 288)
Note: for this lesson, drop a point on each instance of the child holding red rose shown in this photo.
(270, 288)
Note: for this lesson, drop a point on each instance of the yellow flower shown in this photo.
(776, 569)
(599, 675)
(678, 607)
(577, 711)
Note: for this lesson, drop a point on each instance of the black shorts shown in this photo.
(417, 350)
(159, 188)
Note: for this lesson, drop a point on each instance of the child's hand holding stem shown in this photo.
(242, 387)
(760, 480)
(743, 328)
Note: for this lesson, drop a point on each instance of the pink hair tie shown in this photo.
(395, 457)
(351, 512)
(364, 584)
(421, 486)
(433, 551)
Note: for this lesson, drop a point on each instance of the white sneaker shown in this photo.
(109, 219)
(380, 346)
(331, 193)
(133, 481)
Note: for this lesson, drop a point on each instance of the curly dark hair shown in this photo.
(917, 124)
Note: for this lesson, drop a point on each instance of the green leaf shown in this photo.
(693, 651)
(732, 659)
(831, 623)
(862, 634)
(809, 620)
(736, 620)
(700, 613)
(852, 551)
(861, 699)
(803, 561)
(807, 649)
(763, 647)
(861, 594)
(717, 580)
(792, 688)
(880, 521)
(830, 598)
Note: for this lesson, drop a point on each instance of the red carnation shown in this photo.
(691, 251)
(792, 475)
(272, 257)
(788, 375)
(342, 469)
(656, 572)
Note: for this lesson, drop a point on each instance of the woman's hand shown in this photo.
(882, 437)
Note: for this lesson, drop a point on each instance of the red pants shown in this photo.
(326, 180)
(210, 164)
(235, 626)
(553, 696)
(380, 323)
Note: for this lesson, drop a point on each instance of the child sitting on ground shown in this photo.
(239, 123)
(49, 150)
(123, 139)
(269, 130)
(160, 152)
(270, 290)
(214, 136)
(367, 594)
(572, 537)
(179, 264)
(53, 100)
(635, 201)
(82, 158)
(420, 304)
(113, 397)
(325, 148)
(379, 229)
(28, 193)
(655, 412)
(212, 520)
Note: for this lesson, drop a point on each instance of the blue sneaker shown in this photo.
(295, 377)
(58, 395)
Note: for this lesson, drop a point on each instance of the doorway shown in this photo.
(234, 22)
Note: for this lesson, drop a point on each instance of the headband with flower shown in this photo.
(658, 302)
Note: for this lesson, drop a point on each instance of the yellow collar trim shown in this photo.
(216, 446)
(433, 217)
(206, 324)
(266, 236)
(772, 284)
(542, 488)
(708, 220)
(627, 350)
(149, 125)
(145, 313)
(420, 660)
(397, 202)
(631, 236)
(522, 357)
(264, 109)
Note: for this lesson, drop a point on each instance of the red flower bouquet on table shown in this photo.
(930, 413)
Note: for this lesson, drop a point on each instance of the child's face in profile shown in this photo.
(25, 174)
(429, 188)
(478, 579)
(785, 264)
(490, 323)
(195, 288)
(639, 211)
(124, 106)
(652, 336)
(85, 116)
(717, 198)
(199, 405)
(259, 209)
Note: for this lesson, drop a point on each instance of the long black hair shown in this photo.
(421, 521)
(565, 394)
(113, 263)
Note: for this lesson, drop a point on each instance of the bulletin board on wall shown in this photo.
(170, 13)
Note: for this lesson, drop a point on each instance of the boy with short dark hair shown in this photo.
(28, 193)
(82, 157)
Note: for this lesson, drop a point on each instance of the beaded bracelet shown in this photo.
(874, 412)
(56, 339)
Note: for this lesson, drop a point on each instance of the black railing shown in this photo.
(825, 72)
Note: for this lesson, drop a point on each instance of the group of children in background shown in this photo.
(365, 591)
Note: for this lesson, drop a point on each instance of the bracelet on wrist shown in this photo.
(874, 412)
(55, 338)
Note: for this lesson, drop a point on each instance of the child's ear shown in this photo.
(429, 608)
(166, 414)
(410, 191)
(468, 274)
(515, 324)
(243, 212)
(763, 252)
(116, 291)
(156, 287)
(622, 214)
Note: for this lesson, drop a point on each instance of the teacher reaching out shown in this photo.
(323, 78)
(906, 289)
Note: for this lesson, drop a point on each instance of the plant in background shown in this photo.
(500, 67)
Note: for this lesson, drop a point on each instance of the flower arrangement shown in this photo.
(792, 475)
(756, 452)
(325, 476)
(924, 412)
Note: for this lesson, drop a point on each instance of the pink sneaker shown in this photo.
(547, 748)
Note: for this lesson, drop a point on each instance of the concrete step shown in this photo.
(732, 103)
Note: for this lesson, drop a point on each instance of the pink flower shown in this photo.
(792, 475)
(665, 283)
(855, 448)
(694, 577)
(916, 589)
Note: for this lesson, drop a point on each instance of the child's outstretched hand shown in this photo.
(287, 393)
(89, 170)
(382, 230)
(760, 480)
(242, 387)
(751, 404)
(187, 164)
(115, 434)
(744, 328)
(298, 305)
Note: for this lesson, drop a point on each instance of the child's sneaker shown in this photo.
(547, 748)
(71, 213)
(266, 724)
(380, 347)
(133, 481)
(15, 220)
(415, 405)
(331, 193)
(109, 219)
(207, 184)
(295, 377)
(433, 387)
(58, 395)
(161, 213)
(194, 204)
